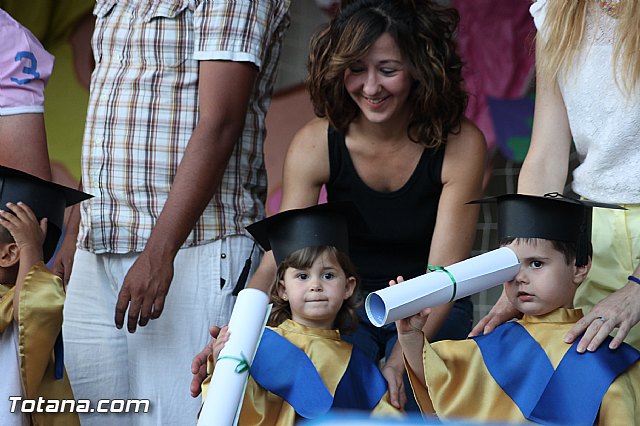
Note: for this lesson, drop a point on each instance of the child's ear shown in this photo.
(282, 291)
(9, 255)
(350, 287)
(580, 272)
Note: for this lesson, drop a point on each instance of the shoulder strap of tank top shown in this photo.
(337, 147)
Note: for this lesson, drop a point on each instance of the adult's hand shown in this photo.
(501, 312)
(224, 91)
(393, 372)
(199, 363)
(143, 291)
(63, 262)
(620, 309)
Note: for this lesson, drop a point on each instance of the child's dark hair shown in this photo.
(346, 319)
(5, 236)
(568, 249)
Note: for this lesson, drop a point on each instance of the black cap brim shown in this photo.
(321, 225)
(46, 199)
(551, 217)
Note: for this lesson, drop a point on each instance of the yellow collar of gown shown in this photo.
(294, 327)
(560, 315)
(6, 306)
(4, 289)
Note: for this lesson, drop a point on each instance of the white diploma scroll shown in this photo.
(435, 288)
(228, 382)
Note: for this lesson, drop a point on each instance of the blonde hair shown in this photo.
(565, 24)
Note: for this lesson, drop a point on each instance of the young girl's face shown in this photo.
(545, 281)
(380, 82)
(316, 294)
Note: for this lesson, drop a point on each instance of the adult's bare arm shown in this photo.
(23, 144)
(224, 92)
(546, 165)
(63, 262)
(265, 274)
(305, 170)
(544, 170)
(306, 166)
(455, 229)
(80, 41)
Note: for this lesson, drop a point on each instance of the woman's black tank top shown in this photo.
(400, 223)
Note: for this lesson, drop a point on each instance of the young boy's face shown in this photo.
(545, 281)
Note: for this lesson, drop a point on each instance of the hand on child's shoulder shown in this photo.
(24, 227)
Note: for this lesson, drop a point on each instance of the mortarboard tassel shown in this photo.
(582, 246)
(244, 275)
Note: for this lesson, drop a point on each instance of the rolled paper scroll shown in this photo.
(443, 285)
(229, 378)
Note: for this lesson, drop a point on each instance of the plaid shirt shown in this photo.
(144, 107)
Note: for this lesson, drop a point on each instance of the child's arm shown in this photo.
(29, 236)
(411, 339)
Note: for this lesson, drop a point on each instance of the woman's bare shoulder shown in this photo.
(308, 154)
(465, 154)
(312, 133)
(468, 139)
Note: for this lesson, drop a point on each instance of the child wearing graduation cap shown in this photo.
(302, 369)
(31, 299)
(523, 371)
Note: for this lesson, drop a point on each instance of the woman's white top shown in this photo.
(604, 122)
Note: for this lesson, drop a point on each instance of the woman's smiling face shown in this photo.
(380, 82)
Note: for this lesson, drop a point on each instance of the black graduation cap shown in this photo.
(46, 199)
(320, 225)
(551, 217)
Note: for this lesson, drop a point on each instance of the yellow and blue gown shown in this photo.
(460, 384)
(330, 357)
(39, 323)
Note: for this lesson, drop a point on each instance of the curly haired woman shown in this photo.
(385, 81)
